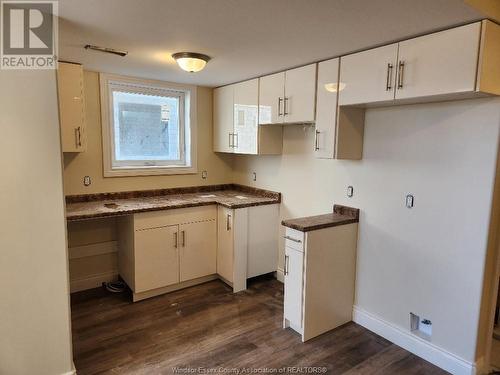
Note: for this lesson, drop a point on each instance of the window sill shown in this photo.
(149, 171)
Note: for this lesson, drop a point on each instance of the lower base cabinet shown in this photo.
(247, 243)
(166, 250)
(319, 275)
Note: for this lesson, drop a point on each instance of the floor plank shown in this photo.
(209, 327)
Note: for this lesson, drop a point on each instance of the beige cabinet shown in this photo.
(288, 97)
(156, 258)
(368, 76)
(197, 249)
(161, 251)
(247, 243)
(223, 119)
(319, 274)
(236, 128)
(71, 107)
(439, 63)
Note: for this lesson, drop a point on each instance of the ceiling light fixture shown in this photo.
(332, 87)
(191, 62)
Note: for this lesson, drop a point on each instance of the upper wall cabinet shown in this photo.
(236, 129)
(439, 63)
(442, 65)
(288, 97)
(71, 107)
(369, 76)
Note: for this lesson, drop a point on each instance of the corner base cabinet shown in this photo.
(319, 278)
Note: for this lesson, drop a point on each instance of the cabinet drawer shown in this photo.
(156, 219)
(294, 239)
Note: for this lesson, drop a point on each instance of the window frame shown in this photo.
(187, 125)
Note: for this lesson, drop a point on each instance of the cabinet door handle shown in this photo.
(285, 107)
(280, 99)
(78, 135)
(285, 271)
(183, 238)
(230, 136)
(292, 239)
(388, 82)
(401, 70)
(316, 141)
(228, 222)
(176, 240)
(235, 136)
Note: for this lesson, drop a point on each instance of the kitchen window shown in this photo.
(147, 127)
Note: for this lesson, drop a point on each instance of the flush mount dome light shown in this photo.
(191, 61)
(332, 87)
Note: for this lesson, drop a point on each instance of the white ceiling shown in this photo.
(245, 38)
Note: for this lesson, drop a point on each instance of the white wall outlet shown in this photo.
(350, 191)
(422, 327)
(409, 201)
(87, 181)
(204, 175)
(254, 176)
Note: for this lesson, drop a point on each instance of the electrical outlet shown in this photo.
(87, 181)
(350, 191)
(409, 201)
(204, 175)
(254, 176)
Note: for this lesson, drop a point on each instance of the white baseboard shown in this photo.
(414, 344)
(280, 275)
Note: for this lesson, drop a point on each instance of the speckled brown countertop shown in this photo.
(341, 215)
(90, 206)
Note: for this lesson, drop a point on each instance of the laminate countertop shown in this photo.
(341, 215)
(91, 206)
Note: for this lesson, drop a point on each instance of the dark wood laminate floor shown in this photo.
(209, 327)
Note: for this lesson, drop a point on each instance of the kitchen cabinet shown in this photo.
(288, 97)
(236, 128)
(319, 276)
(223, 118)
(197, 249)
(71, 107)
(161, 251)
(439, 63)
(156, 258)
(247, 243)
(339, 130)
(368, 76)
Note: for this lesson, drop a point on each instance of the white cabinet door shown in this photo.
(439, 63)
(225, 243)
(294, 261)
(198, 247)
(326, 108)
(156, 258)
(246, 102)
(300, 94)
(223, 119)
(368, 76)
(271, 97)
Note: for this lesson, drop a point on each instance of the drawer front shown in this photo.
(156, 219)
(294, 239)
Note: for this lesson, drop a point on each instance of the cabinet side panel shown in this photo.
(329, 278)
(263, 230)
(225, 243)
(488, 79)
(126, 268)
(240, 228)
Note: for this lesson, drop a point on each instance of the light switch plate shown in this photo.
(204, 175)
(87, 181)
(410, 201)
(350, 191)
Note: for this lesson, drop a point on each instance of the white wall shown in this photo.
(428, 260)
(35, 334)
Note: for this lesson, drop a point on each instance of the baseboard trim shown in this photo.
(280, 275)
(414, 344)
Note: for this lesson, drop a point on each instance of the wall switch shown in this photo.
(87, 181)
(204, 175)
(410, 201)
(350, 191)
(254, 176)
